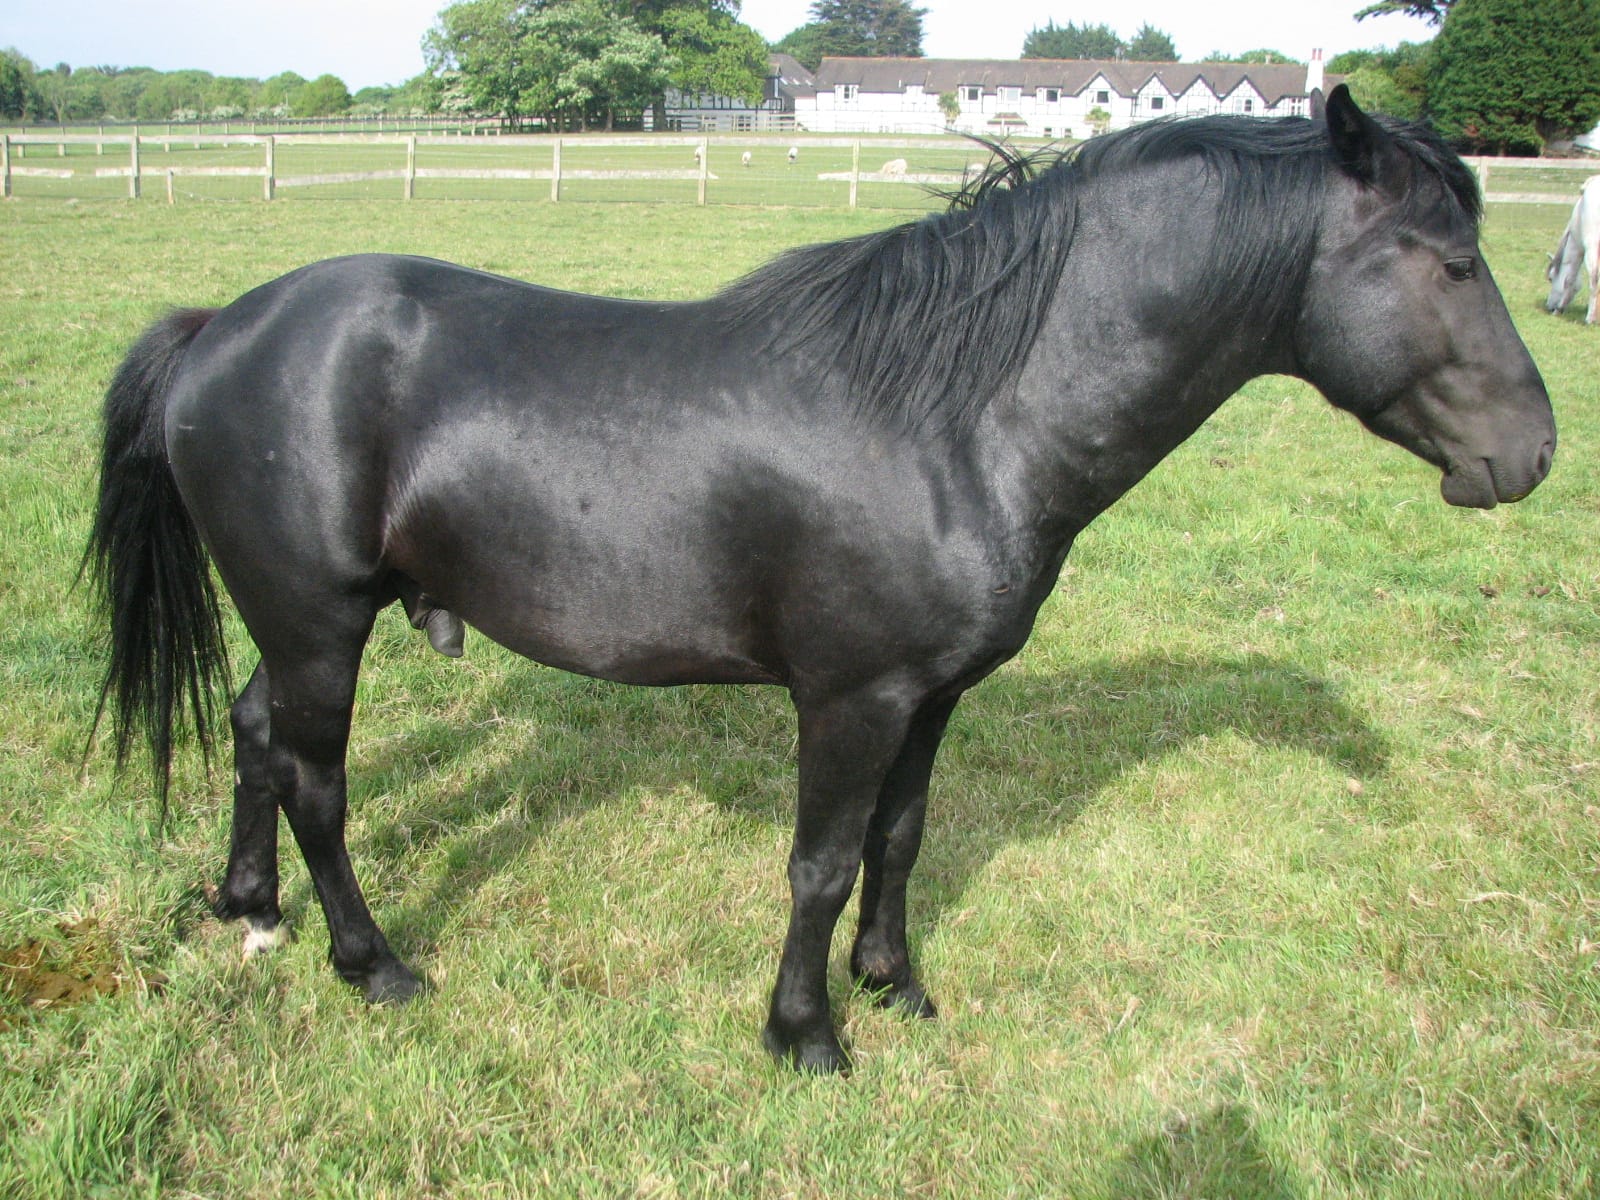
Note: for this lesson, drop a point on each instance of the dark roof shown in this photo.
(790, 73)
(1072, 75)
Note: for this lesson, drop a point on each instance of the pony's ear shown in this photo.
(1319, 106)
(1361, 145)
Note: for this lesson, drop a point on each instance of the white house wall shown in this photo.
(844, 109)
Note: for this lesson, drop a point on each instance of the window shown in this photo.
(1009, 95)
(847, 91)
(1051, 95)
(1249, 106)
(1157, 103)
(972, 95)
(1102, 97)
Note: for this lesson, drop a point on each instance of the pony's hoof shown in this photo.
(263, 936)
(908, 998)
(904, 994)
(816, 1054)
(391, 983)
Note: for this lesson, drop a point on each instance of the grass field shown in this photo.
(1271, 868)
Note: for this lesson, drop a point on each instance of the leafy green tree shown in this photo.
(807, 45)
(324, 96)
(1516, 75)
(1074, 41)
(1264, 57)
(120, 94)
(569, 62)
(1389, 81)
(173, 92)
(856, 29)
(18, 96)
(1152, 45)
(277, 94)
(615, 64)
(228, 96)
(476, 46)
(1432, 11)
(713, 53)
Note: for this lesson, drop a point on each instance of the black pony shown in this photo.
(854, 474)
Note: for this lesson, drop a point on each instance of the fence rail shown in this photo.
(18, 152)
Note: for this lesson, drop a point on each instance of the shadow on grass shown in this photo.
(1023, 758)
(1218, 1154)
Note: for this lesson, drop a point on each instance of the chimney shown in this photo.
(1314, 73)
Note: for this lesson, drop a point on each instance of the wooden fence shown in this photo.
(16, 161)
(1490, 168)
(13, 164)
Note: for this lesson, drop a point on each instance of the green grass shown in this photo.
(1268, 869)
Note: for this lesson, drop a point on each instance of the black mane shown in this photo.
(933, 318)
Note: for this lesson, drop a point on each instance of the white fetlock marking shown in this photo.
(263, 941)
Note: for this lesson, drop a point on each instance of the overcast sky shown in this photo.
(377, 41)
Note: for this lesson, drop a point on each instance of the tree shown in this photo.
(806, 45)
(1264, 57)
(713, 53)
(476, 46)
(276, 95)
(1388, 81)
(324, 96)
(18, 98)
(1152, 45)
(1073, 41)
(1516, 75)
(1432, 11)
(856, 29)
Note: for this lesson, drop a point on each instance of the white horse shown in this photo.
(895, 166)
(794, 153)
(1580, 244)
(745, 158)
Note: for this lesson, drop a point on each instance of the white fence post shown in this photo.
(411, 166)
(5, 166)
(133, 164)
(705, 169)
(269, 186)
(855, 171)
(555, 172)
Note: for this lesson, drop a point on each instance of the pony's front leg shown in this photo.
(249, 892)
(846, 748)
(880, 959)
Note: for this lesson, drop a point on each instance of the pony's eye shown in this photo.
(1461, 269)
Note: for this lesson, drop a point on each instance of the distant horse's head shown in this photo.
(1402, 324)
(1563, 272)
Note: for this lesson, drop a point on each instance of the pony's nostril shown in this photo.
(1547, 453)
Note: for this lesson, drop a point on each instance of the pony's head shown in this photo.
(1401, 322)
(1563, 272)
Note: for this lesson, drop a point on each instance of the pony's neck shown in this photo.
(1124, 370)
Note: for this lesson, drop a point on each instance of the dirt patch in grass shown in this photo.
(79, 962)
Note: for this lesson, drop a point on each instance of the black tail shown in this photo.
(150, 569)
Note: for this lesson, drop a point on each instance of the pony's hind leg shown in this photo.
(249, 892)
(312, 691)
